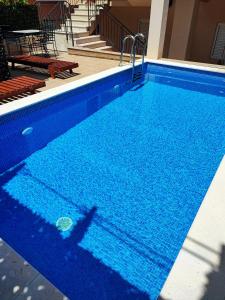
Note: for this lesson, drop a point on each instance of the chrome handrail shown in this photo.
(139, 35)
(135, 38)
(123, 47)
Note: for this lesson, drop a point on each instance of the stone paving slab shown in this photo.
(20, 281)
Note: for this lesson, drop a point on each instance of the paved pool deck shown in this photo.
(20, 281)
(87, 66)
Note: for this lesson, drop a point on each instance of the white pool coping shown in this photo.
(45, 95)
(199, 270)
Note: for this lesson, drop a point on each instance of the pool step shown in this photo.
(137, 76)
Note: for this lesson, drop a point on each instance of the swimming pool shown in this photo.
(129, 166)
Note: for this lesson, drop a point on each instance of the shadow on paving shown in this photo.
(75, 271)
(40, 73)
(215, 287)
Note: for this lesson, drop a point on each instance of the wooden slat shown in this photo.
(11, 86)
(19, 85)
(29, 79)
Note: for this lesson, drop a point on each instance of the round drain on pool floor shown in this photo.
(64, 223)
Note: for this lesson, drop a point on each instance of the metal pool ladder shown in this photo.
(128, 37)
(139, 74)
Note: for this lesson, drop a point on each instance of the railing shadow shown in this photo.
(75, 271)
(215, 287)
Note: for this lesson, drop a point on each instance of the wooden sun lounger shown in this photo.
(19, 85)
(54, 66)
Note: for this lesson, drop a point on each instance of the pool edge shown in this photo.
(42, 96)
(203, 250)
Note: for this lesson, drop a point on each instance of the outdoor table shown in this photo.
(29, 34)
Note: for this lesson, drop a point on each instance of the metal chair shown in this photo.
(48, 28)
(4, 69)
(39, 45)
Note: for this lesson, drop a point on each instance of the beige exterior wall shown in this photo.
(120, 3)
(137, 3)
(169, 28)
(210, 13)
(130, 16)
(157, 28)
(193, 30)
(184, 17)
(140, 2)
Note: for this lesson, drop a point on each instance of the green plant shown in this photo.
(19, 16)
(13, 2)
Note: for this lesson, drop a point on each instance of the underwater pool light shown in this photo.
(27, 131)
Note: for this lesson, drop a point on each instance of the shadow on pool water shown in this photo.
(75, 271)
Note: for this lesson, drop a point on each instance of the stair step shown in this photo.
(82, 6)
(77, 29)
(82, 18)
(105, 48)
(137, 76)
(87, 39)
(78, 35)
(83, 12)
(94, 45)
(79, 23)
(97, 53)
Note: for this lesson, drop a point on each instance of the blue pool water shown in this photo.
(131, 174)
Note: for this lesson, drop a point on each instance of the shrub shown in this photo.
(18, 16)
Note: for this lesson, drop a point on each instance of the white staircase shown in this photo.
(80, 28)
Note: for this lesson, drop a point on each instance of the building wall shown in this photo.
(140, 2)
(137, 3)
(209, 15)
(130, 16)
(169, 28)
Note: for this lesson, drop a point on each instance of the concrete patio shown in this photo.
(87, 66)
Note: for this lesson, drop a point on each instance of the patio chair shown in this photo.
(4, 69)
(48, 28)
(16, 86)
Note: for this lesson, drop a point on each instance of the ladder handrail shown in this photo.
(139, 35)
(134, 38)
(130, 36)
